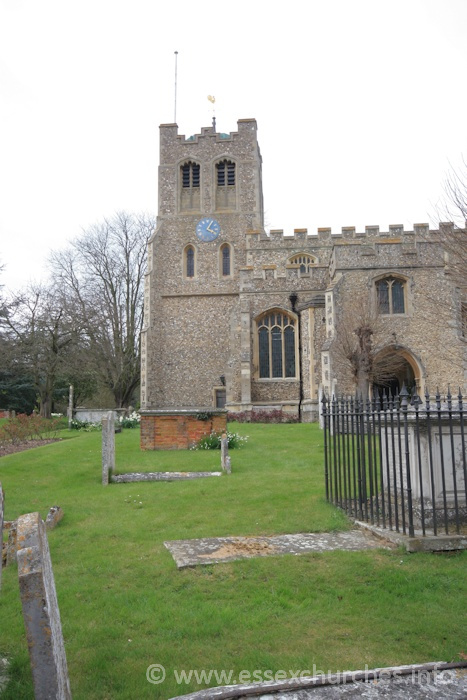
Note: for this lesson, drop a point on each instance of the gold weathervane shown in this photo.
(212, 100)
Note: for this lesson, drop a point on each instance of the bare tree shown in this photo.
(2, 299)
(103, 273)
(453, 235)
(355, 352)
(38, 334)
(452, 238)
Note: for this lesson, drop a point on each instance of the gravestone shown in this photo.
(2, 501)
(11, 544)
(40, 611)
(225, 459)
(70, 406)
(320, 404)
(108, 447)
(54, 516)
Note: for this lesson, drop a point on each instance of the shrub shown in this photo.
(204, 415)
(22, 428)
(131, 421)
(213, 441)
(85, 426)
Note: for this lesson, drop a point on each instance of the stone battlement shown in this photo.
(348, 234)
(244, 125)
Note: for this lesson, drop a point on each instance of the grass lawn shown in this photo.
(125, 606)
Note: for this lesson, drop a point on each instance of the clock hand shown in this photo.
(208, 227)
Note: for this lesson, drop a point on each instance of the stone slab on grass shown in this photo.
(215, 550)
(443, 681)
(160, 476)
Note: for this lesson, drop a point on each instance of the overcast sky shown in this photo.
(360, 104)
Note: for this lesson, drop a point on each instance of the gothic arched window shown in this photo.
(306, 262)
(391, 293)
(276, 345)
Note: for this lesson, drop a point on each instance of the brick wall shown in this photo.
(178, 431)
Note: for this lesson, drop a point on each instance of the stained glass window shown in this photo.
(276, 351)
(263, 336)
(276, 345)
(306, 262)
(397, 297)
(391, 296)
(289, 351)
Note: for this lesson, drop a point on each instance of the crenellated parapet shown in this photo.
(325, 236)
(174, 145)
(275, 255)
(211, 173)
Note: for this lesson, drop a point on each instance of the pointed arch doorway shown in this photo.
(395, 367)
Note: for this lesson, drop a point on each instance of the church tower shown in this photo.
(210, 197)
(256, 321)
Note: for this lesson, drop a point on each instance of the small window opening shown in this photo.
(190, 262)
(225, 260)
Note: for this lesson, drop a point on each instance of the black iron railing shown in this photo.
(398, 462)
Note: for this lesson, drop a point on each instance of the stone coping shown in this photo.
(182, 411)
(159, 476)
(445, 681)
(420, 542)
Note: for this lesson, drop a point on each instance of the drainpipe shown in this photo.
(293, 298)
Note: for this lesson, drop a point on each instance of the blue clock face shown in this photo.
(207, 229)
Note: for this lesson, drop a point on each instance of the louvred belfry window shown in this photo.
(225, 173)
(190, 175)
(190, 188)
(226, 185)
